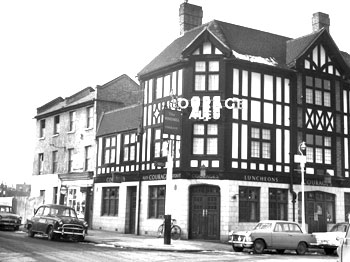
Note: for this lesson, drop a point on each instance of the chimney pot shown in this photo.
(319, 21)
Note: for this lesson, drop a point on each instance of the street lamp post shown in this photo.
(302, 160)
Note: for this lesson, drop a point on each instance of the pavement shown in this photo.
(144, 242)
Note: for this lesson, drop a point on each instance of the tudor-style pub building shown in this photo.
(247, 100)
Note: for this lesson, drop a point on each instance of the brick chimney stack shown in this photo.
(190, 16)
(320, 20)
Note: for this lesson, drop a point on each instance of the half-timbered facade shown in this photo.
(246, 101)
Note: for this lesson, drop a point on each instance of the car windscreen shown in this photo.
(61, 211)
(263, 227)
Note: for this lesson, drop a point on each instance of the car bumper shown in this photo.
(241, 244)
(9, 224)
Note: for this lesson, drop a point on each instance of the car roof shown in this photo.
(54, 206)
(277, 221)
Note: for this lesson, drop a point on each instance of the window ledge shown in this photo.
(42, 138)
(55, 135)
(71, 132)
(88, 128)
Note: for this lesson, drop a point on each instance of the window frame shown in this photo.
(40, 163)
(205, 137)
(257, 149)
(72, 121)
(70, 160)
(129, 142)
(88, 158)
(89, 117)
(205, 76)
(42, 128)
(56, 124)
(246, 204)
(106, 209)
(54, 161)
(157, 201)
(109, 150)
(276, 204)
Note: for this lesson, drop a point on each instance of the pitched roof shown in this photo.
(84, 95)
(244, 43)
(120, 120)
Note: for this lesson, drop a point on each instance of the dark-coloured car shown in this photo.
(57, 222)
(272, 234)
(330, 240)
(8, 219)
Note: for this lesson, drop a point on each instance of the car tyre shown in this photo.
(302, 248)
(30, 232)
(329, 251)
(280, 251)
(259, 246)
(51, 234)
(237, 249)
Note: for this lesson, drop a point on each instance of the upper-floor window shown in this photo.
(160, 145)
(88, 160)
(129, 147)
(260, 145)
(109, 150)
(318, 91)
(206, 76)
(89, 117)
(42, 128)
(205, 139)
(72, 120)
(70, 159)
(56, 125)
(54, 161)
(319, 149)
(40, 163)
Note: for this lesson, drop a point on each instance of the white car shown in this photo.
(330, 241)
(344, 247)
(272, 234)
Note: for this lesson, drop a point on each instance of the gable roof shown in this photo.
(245, 43)
(120, 120)
(84, 96)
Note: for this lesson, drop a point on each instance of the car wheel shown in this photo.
(259, 246)
(237, 249)
(30, 232)
(280, 251)
(329, 251)
(302, 248)
(50, 234)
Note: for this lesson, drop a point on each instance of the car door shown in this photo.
(344, 248)
(278, 237)
(36, 219)
(295, 235)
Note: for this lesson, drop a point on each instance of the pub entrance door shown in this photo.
(204, 212)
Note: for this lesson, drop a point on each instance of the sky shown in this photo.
(55, 48)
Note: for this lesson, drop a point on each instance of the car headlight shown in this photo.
(85, 224)
(248, 238)
(60, 222)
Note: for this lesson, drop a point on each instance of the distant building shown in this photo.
(65, 152)
(247, 99)
(23, 189)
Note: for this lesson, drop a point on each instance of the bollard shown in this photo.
(167, 229)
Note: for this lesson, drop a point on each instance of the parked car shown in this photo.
(330, 241)
(56, 221)
(344, 247)
(8, 219)
(272, 234)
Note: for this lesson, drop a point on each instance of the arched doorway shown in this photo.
(204, 212)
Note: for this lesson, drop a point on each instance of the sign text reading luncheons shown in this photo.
(261, 178)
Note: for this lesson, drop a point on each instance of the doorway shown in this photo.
(130, 215)
(204, 212)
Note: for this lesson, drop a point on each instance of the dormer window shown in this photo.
(206, 76)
